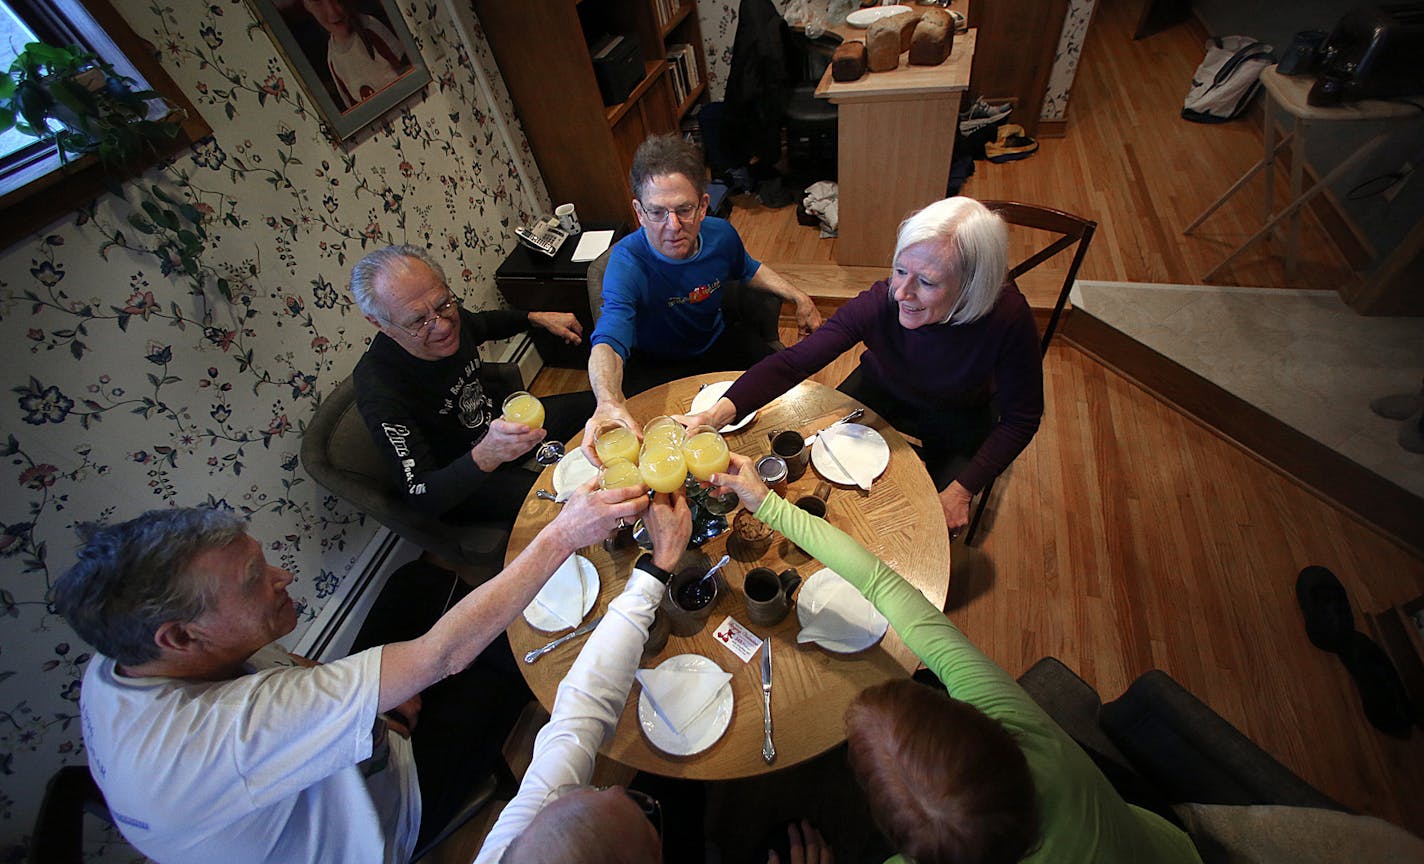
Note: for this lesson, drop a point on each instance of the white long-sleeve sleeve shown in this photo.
(586, 709)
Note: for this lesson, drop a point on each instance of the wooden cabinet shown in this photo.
(585, 148)
(1014, 54)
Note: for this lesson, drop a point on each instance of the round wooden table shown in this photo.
(899, 519)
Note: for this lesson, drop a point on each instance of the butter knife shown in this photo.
(768, 751)
(582, 629)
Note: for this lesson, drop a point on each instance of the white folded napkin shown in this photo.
(842, 614)
(858, 455)
(681, 696)
(574, 470)
(563, 596)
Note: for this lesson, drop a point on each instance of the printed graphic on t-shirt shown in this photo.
(698, 294)
(474, 406)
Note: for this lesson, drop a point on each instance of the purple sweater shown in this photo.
(947, 364)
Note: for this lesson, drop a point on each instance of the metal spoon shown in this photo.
(546, 495)
(713, 571)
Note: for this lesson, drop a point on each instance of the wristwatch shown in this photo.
(645, 563)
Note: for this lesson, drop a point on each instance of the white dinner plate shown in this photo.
(866, 17)
(542, 619)
(860, 447)
(708, 396)
(812, 600)
(704, 730)
(573, 471)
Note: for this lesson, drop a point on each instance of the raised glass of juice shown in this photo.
(612, 439)
(664, 429)
(524, 407)
(706, 452)
(619, 473)
(663, 467)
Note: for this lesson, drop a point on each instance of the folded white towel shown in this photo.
(574, 470)
(679, 696)
(563, 597)
(860, 455)
(838, 613)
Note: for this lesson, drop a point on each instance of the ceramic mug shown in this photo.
(688, 608)
(768, 594)
(791, 447)
(816, 506)
(568, 219)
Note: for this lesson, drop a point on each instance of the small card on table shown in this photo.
(738, 639)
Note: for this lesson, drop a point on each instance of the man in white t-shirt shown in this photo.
(211, 743)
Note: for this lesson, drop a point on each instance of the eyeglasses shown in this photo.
(659, 215)
(421, 328)
(646, 803)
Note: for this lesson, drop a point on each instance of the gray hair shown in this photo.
(369, 270)
(662, 155)
(981, 250)
(133, 577)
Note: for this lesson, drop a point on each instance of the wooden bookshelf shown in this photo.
(585, 148)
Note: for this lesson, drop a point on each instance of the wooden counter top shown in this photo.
(907, 81)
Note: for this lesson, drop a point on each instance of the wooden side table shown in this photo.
(535, 283)
(1290, 94)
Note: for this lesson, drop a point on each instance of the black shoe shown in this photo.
(1381, 692)
(1328, 620)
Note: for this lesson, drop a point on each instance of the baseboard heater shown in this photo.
(329, 637)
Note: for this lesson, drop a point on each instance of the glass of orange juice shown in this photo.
(524, 407)
(612, 439)
(664, 429)
(663, 466)
(706, 452)
(619, 473)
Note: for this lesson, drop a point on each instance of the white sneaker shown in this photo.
(982, 114)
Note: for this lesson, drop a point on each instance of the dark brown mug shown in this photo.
(768, 594)
(816, 506)
(791, 447)
(687, 607)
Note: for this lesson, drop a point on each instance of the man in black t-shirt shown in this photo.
(418, 388)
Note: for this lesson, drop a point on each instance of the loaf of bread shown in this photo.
(933, 39)
(887, 39)
(848, 63)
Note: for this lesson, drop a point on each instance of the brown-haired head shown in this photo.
(946, 783)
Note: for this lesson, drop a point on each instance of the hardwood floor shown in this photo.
(1131, 163)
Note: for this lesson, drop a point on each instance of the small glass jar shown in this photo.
(772, 470)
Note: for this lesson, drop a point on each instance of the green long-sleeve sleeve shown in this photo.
(1082, 817)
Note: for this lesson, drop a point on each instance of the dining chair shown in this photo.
(1066, 230)
(338, 452)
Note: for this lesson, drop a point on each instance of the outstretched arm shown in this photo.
(593, 693)
(768, 280)
(605, 378)
(468, 628)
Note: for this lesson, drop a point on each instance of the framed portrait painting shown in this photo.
(356, 59)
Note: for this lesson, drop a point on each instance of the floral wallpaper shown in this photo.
(168, 347)
(1065, 60)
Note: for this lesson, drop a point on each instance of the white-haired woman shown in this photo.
(951, 352)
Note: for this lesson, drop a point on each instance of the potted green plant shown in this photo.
(73, 98)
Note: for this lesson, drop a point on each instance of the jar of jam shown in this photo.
(772, 470)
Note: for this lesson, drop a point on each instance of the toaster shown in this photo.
(1372, 53)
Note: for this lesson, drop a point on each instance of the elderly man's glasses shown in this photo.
(660, 214)
(420, 328)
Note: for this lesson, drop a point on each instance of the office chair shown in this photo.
(338, 453)
(1069, 230)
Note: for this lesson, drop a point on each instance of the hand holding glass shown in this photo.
(524, 407)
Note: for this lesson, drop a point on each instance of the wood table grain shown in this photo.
(899, 519)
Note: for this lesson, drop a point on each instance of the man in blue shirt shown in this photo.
(662, 290)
